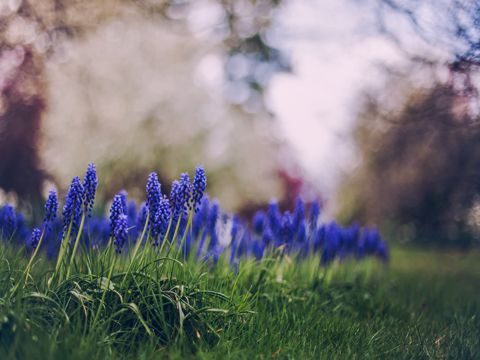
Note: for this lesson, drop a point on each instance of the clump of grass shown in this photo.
(161, 303)
(179, 273)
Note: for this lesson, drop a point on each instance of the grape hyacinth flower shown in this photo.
(382, 251)
(267, 236)
(21, 229)
(235, 233)
(72, 210)
(213, 233)
(199, 186)
(258, 248)
(131, 212)
(123, 195)
(9, 221)
(234, 229)
(120, 233)
(200, 218)
(51, 207)
(286, 229)
(298, 214)
(243, 245)
(274, 217)
(116, 209)
(142, 217)
(90, 183)
(184, 192)
(35, 239)
(302, 233)
(154, 193)
(332, 244)
(161, 221)
(211, 224)
(258, 221)
(319, 238)
(173, 198)
(314, 213)
(180, 197)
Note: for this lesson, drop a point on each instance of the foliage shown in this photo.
(417, 308)
(419, 168)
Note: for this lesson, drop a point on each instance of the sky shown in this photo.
(335, 55)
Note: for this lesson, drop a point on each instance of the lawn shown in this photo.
(424, 304)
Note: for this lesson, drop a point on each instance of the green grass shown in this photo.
(425, 304)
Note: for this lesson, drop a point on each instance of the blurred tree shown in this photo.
(39, 29)
(21, 105)
(420, 164)
(449, 26)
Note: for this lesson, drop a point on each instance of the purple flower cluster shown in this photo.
(154, 193)
(161, 221)
(211, 234)
(9, 221)
(51, 207)
(120, 233)
(180, 197)
(13, 227)
(35, 239)
(72, 210)
(301, 233)
(199, 187)
(90, 183)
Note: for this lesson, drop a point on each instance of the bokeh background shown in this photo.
(371, 106)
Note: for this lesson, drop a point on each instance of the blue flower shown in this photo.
(9, 221)
(116, 209)
(286, 229)
(200, 218)
(120, 232)
(319, 238)
(51, 207)
(258, 248)
(267, 236)
(142, 217)
(21, 229)
(382, 251)
(180, 196)
(90, 183)
(314, 213)
(350, 237)
(371, 239)
(302, 232)
(72, 211)
(298, 214)
(274, 217)
(199, 186)
(35, 239)
(258, 221)
(175, 203)
(161, 220)
(123, 195)
(154, 194)
(184, 192)
(332, 243)
(211, 224)
(234, 229)
(243, 245)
